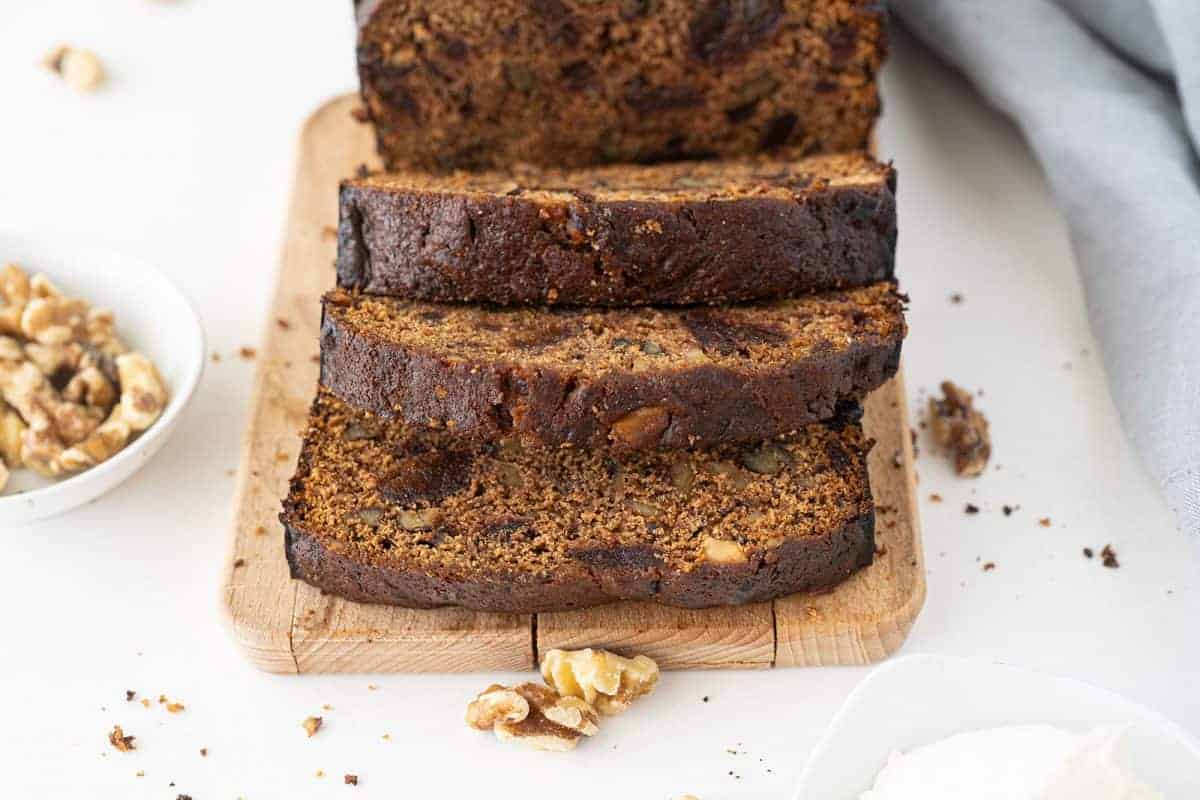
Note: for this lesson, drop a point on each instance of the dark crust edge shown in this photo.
(460, 247)
(706, 405)
(803, 564)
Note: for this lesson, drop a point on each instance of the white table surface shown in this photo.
(184, 159)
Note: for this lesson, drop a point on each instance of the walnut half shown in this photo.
(605, 680)
(533, 715)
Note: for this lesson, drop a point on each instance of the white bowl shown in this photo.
(921, 699)
(153, 317)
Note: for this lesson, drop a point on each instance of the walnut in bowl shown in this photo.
(98, 355)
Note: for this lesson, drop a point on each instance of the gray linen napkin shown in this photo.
(1107, 92)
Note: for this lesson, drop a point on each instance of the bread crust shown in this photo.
(808, 564)
(476, 84)
(555, 404)
(781, 230)
(822, 536)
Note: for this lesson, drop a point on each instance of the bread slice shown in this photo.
(628, 378)
(381, 513)
(483, 83)
(678, 234)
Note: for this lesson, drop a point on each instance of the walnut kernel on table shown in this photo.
(605, 680)
(79, 67)
(532, 714)
(961, 428)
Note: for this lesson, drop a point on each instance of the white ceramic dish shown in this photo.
(153, 317)
(921, 699)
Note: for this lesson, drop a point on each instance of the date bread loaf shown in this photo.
(638, 379)
(477, 84)
(380, 512)
(670, 234)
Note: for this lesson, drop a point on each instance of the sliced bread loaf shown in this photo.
(628, 378)
(677, 234)
(486, 83)
(380, 513)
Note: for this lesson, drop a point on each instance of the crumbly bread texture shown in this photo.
(485, 83)
(642, 378)
(677, 234)
(381, 513)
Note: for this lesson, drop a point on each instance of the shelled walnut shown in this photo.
(532, 714)
(605, 680)
(79, 67)
(71, 394)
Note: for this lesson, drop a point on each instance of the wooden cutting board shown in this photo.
(288, 626)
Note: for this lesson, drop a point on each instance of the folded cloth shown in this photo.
(1107, 92)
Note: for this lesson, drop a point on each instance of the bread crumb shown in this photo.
(239, 562)
(204, 752)
(350, 780)
(248, 353)
(1044, 522)
(119, 740)
(283, 323)
(320, 773)
(961, 429)
(1108, 557)
(971, 508)
(1088, 552)
(989, 566)
(311, 725)
(935, 498)
(129, 695)
(216, 357)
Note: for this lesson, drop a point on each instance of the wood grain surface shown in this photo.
(287, 626)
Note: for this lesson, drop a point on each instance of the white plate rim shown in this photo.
(821, 750)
